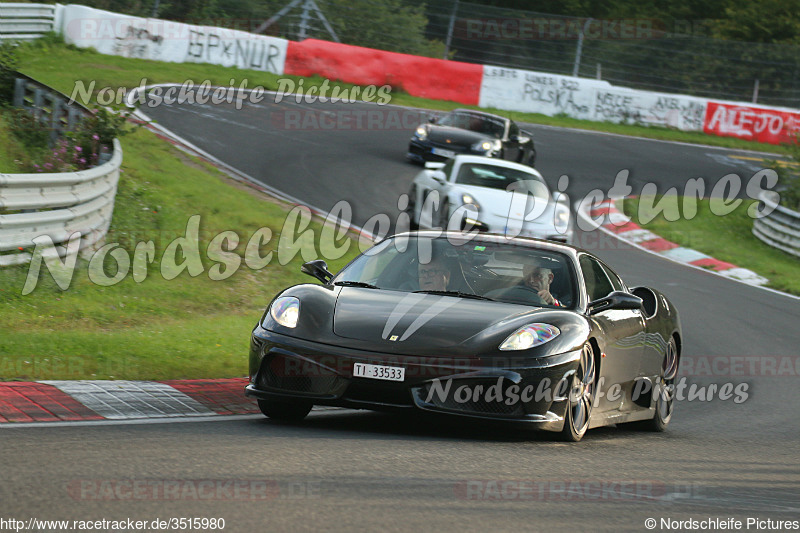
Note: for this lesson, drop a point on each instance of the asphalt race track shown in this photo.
(346, 470)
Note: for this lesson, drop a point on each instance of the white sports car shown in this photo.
(470, 193)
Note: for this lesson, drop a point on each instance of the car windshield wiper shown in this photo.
(356, 284)
(459, 294)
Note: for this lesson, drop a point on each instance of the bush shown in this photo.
(9, 62)
(788, 176)
(30, 132)
(99, 130)
(66, 157)
(78, 150)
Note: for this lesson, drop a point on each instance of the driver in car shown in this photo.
(539, 279)
(434, 276)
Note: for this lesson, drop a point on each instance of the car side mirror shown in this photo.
(317, 269)
(439, 176)
(615, 300)
(513, 138)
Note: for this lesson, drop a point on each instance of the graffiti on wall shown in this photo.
(239, 49)
(138, 41)
(536, 92)
(678, 112)
(753, 123)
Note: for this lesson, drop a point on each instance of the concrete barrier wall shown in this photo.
(751, 122)
(161, 40)
(425, 77)
(586, 99)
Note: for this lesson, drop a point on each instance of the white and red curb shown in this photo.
(618, 223)
(59, 401)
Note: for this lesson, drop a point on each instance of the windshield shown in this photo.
(466, 268)
(494, 127)
(497, 177)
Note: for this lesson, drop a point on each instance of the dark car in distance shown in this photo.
(450, 323)
(465, 131)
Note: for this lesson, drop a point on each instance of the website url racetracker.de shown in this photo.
(105, 524)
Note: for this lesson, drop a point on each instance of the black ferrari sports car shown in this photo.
(482, 326)
(464, 131)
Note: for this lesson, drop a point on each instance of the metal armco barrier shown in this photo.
(781, 228)
(63, 203)
(23, 22)
(54, 204)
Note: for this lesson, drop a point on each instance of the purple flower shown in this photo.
(96, 137)
(83, 161)
(78, 149)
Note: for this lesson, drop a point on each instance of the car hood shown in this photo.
(445, 135)
(496, 202)
(401, 321)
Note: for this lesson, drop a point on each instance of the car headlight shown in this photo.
(422, 133)
(468, 199)
(487, 146)
(285, 310)
(529, 336)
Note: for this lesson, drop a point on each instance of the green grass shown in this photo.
(727, 238)
(11, 150)
(46, 62)
(156, 329)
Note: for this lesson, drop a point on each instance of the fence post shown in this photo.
(578, 52)
(38, 103)
(73, 116)
(450, 30)
(755, 92)
(19, 92)
(55, 119)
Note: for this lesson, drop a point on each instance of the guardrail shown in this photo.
(55, 204)
(781, 228)
(24, 22)
(62, 204)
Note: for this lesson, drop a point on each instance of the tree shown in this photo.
(383, 24)
(762, 21)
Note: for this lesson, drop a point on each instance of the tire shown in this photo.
(581, 397)
(285, 411)
(531, 159)
(665, 391)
